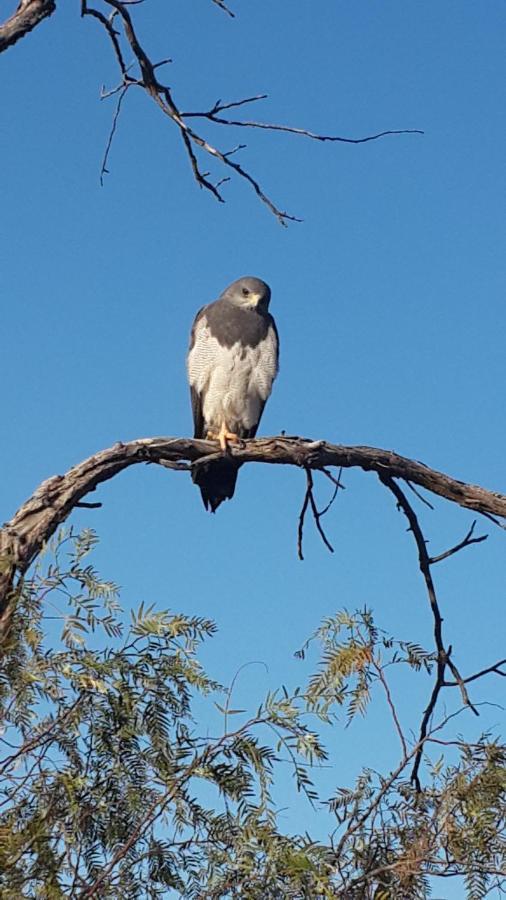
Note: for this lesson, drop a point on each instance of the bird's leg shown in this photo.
(224, 436)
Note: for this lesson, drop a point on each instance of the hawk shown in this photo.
(232, 363)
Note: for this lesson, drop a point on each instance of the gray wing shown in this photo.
(266, 372)
(196, 402)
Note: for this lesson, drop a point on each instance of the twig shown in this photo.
(317, 515)
(460, 682)
(302, 132)
(442, 654)
(302, 516)
(225, 8)
(310, 501)
(466, 542)
(386, 687)
(337, 484)
(419, 495)
(103, 168)
(111, 31)
(496, 668)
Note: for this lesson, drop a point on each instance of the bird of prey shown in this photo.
(232, 363)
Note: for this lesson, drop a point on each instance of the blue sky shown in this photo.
(389, 299)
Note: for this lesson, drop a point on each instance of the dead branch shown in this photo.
(26, 17)
(309, 500)
(194, 141)
(22, 538)
(115, 18)
(103, 169)
(466, 542)
(497, 669)
(443, 654)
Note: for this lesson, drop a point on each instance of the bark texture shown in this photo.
(26, 17)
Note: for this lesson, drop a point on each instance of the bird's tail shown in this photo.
(216, 481)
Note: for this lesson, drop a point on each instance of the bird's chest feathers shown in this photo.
(237, 385)
(233, 381)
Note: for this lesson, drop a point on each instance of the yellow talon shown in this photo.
(224, 437)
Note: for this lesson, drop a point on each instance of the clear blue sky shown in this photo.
(389, 299)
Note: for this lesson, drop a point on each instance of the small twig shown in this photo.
(310, 500)
(163, 62)
(386, 687)
(83, 504)
(333, 479)
(111, 31)
(231, 152)
(225, 8)
(337, 484)
(419, 495)
(329, 504)
(317, 515)
(493, 519)
(219, 107)
(464, 543)
(103, 169)
(460, 682)
(496, 668)
(302, 516)
(304, 132)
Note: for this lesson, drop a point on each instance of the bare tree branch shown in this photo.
(309, 500)
(104, 170)
(466, 542)
(212, 115)
(122, 33)
(443, 655)
(27, 16)
(194, 141)
(225, 8)
(23, 537)
(496, 668)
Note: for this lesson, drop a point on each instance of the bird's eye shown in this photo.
(245, 292)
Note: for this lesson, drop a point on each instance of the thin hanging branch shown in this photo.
(443, 654)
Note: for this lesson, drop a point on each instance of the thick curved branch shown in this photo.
(26, 17)
(23, 537)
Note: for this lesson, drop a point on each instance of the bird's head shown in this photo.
(248, 292)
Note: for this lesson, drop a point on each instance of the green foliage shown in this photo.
(110, 789)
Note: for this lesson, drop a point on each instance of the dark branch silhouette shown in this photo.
(116, 18)
(443, 654)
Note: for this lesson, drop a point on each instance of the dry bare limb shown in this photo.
(194, 141)
(444, 659)
(22, 538)
(27, 16)
(116, 19)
